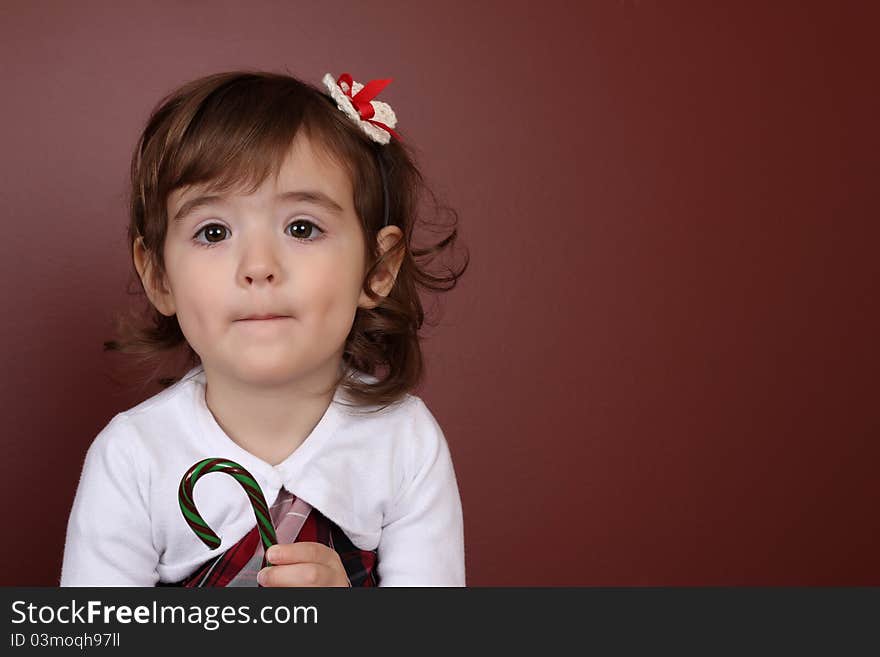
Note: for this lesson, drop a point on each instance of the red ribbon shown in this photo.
(361, 100)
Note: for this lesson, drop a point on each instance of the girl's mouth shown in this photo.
(262, 318)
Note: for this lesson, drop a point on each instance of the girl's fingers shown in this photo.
(304, 552)
(297, 574)
(302, 574)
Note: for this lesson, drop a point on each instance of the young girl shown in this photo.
(271, 230)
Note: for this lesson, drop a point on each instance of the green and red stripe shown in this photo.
(251, 487)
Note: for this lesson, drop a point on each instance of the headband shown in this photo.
(374, 117)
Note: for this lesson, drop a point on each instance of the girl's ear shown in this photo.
(383, 279)
(156, 290)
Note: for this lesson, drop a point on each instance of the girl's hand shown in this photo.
(303, 564)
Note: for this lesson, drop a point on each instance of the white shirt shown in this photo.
(385, 479)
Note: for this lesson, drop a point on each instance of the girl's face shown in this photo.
(293, 249)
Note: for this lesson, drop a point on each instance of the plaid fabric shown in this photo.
(360, 565)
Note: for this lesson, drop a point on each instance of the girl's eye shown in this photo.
(304, 231)
(213, 233)
(307, 231)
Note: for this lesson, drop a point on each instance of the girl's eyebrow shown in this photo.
(307, 195)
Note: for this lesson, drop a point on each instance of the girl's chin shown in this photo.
(268, 370)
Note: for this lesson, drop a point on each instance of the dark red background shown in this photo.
(661, 367)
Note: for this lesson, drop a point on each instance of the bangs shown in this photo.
(233, 139)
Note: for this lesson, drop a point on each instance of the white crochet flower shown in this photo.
(383, 112)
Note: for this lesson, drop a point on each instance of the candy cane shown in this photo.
(251, 487)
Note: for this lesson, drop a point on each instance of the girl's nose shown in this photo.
(258, 275)
(259, 263)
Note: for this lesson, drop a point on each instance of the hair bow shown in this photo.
(376, 118)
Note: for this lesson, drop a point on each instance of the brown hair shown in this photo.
(232, 130)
